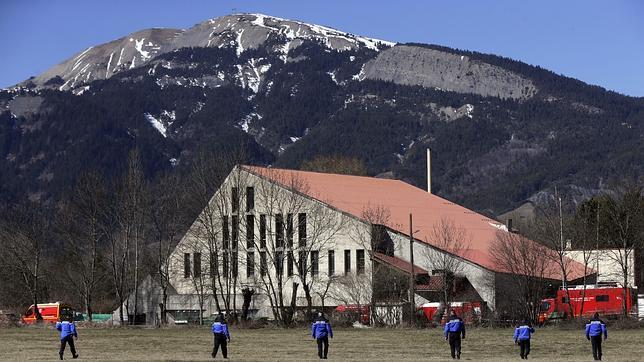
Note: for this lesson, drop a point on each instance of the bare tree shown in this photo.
(278, 199)
(523, 283)
(336, 164)
(584, 234)
(215, 228)
(449, 244)
(23, 237)
(624, 228)
(374, 286)
(167, 221)
(126, 234)
(548, 228)
(82, 224)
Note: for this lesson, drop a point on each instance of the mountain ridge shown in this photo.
(502, 131)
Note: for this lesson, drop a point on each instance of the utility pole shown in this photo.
(412, 276)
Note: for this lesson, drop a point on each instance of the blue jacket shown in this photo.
(455, 325)
(66, 329)
(523, 333)
(596, 327)
(220, 327)
(321, 328)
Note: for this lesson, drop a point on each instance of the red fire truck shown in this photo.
(355, 312)
(604, 299)
(470, 312)
(50, 312)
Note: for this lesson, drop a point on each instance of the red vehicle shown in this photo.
(357, 312)
(604, 299)
(469, 311)
(50, 312)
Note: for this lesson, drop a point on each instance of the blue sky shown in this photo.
(599, 42)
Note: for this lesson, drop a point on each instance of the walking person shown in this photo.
(522, 335)
(454, 331)
(321, 331)
(68, 332)
(222, 336)
(594, 330)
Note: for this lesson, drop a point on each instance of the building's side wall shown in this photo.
(339, 237)
(607, 263)
(481, 279)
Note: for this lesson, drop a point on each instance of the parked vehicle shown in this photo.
(50, 312)
(354, 312)
(470, 312)
(603, 299)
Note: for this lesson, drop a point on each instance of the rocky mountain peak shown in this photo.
(240, 32)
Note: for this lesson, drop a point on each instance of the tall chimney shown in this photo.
(429, 170)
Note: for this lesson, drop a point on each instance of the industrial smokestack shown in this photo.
(429, 170)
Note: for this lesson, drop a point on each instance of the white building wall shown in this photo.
(341, 236)
(607, 263)
(481, 279)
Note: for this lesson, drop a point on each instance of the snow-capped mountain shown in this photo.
(240, 32)
(285, 92)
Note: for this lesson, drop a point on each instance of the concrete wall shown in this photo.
(481, 279)
(327, 229)
(608, 264)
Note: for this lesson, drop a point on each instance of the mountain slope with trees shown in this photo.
(501, 131)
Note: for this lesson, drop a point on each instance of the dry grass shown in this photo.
(41, 343)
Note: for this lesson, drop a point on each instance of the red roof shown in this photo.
(398, 263)
(354, 194)
(436, 283)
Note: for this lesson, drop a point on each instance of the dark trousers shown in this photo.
(220, 340)
(455, 344)
(323, 341)
(525, 348)
(596, 342)
(69, 339)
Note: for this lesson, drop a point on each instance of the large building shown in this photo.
(267, 230)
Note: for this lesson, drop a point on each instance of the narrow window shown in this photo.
(289, 230)
(250, 199)
(225, 231)
(601, 298)
(331, 264)
(262, 263)
(235, 230)
(360, 261)
(301, 229)
(301, 263)
(235, 263)
(314, 262)
(196, 257)
(224, 265)
(250, 231)
(186, 265)
(262, 231)
(289, 263)
(279, 262)
(347, 261)
(235, 199)
(279, 231)
(250, 264)
(214, 265)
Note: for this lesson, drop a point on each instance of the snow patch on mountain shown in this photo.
(158, 125)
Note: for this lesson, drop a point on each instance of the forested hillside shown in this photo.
(285, 92)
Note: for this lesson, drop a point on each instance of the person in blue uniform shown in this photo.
(321, 331)
(454, 331)
(222, 336)
(594, 330)
(67, 330)
(522, 335)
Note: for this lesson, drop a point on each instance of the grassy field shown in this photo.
(41, 343)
